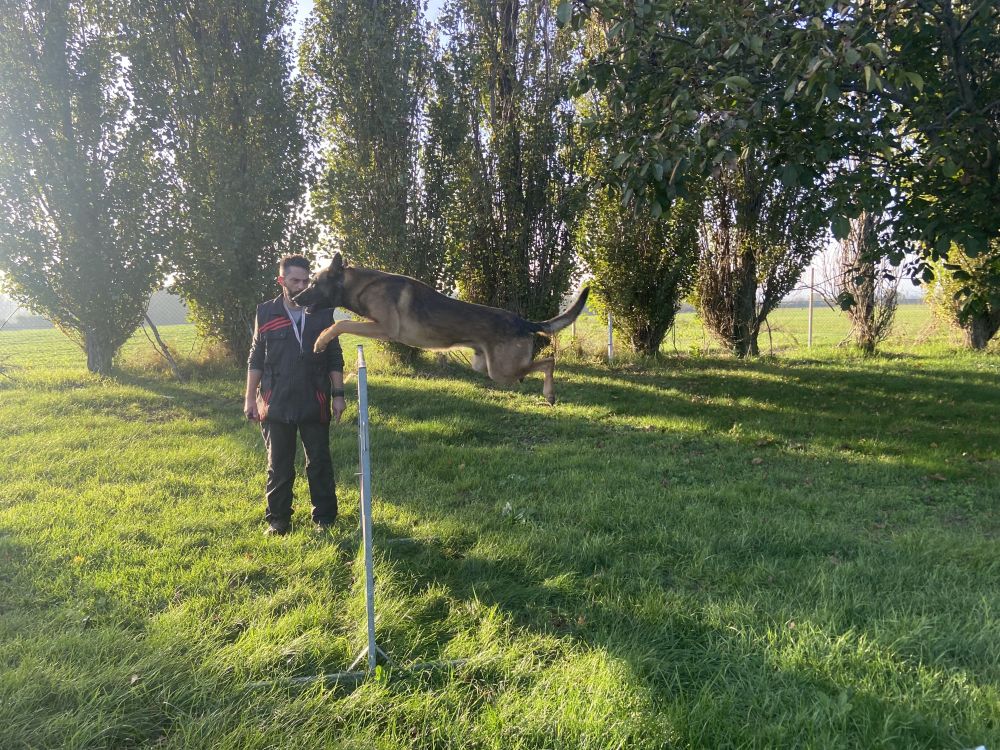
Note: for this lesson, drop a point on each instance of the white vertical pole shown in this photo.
(611, 341)
(366, 504)
(812, 284)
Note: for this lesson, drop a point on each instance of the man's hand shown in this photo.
(339, 404)
(250, 409)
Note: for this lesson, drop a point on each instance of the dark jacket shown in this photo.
(295, 384)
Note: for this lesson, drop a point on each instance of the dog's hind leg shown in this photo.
(479, 362)
(547, 366)
(366, 328)
(511, 363)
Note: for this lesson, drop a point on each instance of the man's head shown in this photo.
(293, 275)
(327, 288)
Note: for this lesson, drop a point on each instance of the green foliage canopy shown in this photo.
(84, 197)
(218, 75)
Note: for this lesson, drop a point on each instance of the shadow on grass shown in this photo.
(601, 548)
(671, 525)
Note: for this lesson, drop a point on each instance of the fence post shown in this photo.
(812, 283)
(611, 341)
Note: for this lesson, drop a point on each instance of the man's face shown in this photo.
(294, 281)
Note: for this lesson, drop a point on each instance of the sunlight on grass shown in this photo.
(691, 552)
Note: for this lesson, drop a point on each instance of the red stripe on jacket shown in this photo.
(324, 411)
(273, 325)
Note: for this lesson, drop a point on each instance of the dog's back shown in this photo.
(426, 317)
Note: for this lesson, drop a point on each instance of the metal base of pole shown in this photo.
(364, 653)
(355, 678)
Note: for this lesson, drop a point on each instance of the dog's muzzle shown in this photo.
(306, 297)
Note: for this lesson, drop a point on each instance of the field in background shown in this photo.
(699, 552)
(786, 332)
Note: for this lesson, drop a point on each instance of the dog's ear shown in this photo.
(337, 264)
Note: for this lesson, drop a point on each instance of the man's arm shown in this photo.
(255, 369)
(250, 397)
(335, 366)
(338, 402)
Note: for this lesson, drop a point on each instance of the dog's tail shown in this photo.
(564, 319)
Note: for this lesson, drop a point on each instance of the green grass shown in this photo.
(698, 552)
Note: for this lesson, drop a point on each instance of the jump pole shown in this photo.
(372, 651)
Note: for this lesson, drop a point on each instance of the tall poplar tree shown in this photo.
(219, 73)
(84, 185)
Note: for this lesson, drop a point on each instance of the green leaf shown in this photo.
(845, 300)
(656, 210)
(619, 160)
(602, 74)
(790, 175)
(876, 50)
(916, 81)
(658, 171)
(851, 56)
(732, 50)
(736, 82)
(841, 227)
(868, 77)
(973, 245)
(581, 86)
(565, 12)
(949, 168)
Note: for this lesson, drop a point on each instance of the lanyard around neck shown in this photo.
(298, 328)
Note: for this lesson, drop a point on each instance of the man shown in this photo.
(288, 391)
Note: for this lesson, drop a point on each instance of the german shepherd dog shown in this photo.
(408, 311)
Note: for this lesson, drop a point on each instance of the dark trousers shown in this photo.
(279, 439)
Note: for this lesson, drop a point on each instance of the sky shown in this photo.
(304, 7)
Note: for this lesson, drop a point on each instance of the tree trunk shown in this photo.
(646, 339)
(745, 340)
(99, 353)
(745, 323)
(980, 328)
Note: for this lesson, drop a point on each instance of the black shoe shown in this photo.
(322, 527)
(277, 529)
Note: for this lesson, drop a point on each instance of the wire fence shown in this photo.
(165, 309)
(793, 328)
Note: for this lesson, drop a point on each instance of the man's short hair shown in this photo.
(299, 261)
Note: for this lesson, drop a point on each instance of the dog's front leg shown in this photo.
(366, 328)
(325, 337)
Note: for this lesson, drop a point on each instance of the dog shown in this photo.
(405, 310)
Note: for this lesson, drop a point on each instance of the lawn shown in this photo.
(798, 551)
